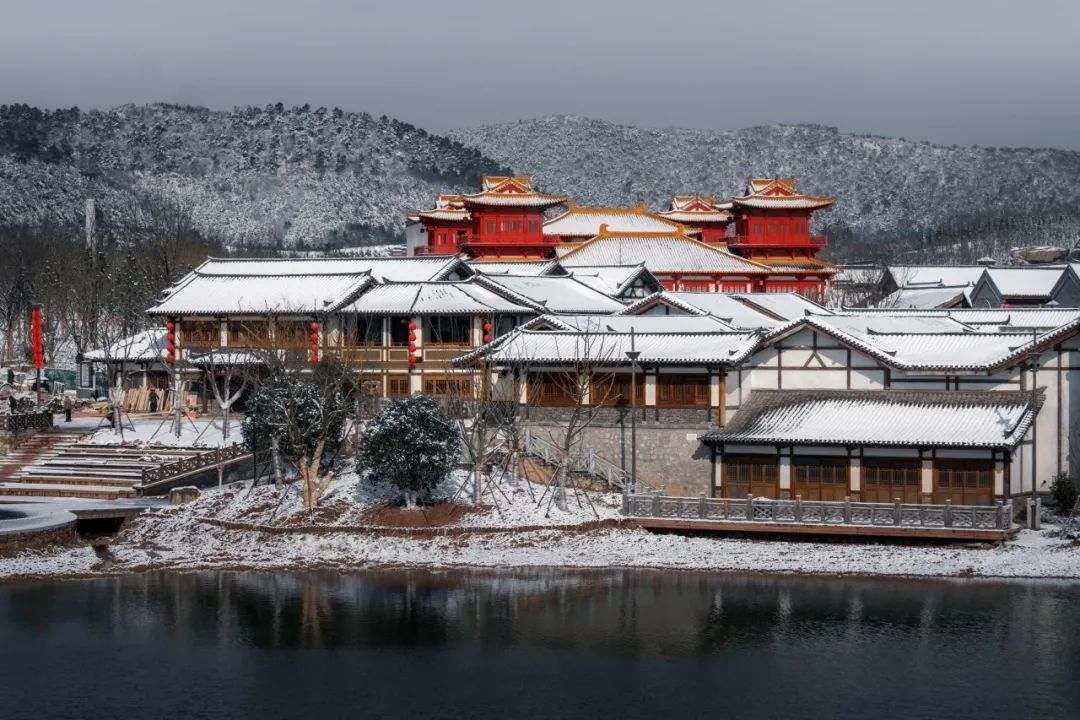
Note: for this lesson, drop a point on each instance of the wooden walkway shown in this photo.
(764, 516)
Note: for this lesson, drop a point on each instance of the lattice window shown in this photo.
(552, 391)
(200, 333)
(820, 478)
(397, 385)
(754, 474)
(964, 482)
(448, 330)
(616, 390)
(682, 390)
(886, 480)
(449, 385)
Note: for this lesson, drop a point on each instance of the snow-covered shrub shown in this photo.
(299, 409)
(411, 444)
(1063, 490)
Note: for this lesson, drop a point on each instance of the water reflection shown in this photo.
(543, 643)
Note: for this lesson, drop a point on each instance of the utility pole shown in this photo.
(633, 355)
(1034, 504)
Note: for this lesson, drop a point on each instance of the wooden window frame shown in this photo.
(699, 396)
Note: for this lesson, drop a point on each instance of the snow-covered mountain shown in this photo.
(308, 178)
(886, 188)
(257, 175)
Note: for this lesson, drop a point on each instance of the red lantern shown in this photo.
(314, 337)
(314, 348)
(412, 337)
(171, 337)
(412, 348)
(487, 338)
(314, 326)
(170, 348)
(170, 326)
(487, 327)
(412, 359)
(412, 326)
(314, 359)
(170, 358)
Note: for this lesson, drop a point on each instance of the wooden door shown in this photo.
(820, 478)
(964, 482)
(758, 475)
(885, 480)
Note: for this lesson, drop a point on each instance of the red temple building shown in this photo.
(703, 215)
(771, 222)
(504, 220)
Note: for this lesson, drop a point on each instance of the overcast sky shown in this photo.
(988, 72)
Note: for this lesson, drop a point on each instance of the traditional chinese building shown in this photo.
(579, 224)
(503, 220)
(702, 215)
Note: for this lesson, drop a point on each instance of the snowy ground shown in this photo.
(520, 535)
(151, 430)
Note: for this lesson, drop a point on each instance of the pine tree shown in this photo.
(412, 445)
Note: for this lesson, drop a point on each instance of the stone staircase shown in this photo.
(586, 462)
(53, 465)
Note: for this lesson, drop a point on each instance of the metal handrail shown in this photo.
(587, 461)
(192, 463)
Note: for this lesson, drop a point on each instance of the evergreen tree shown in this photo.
(412, 445)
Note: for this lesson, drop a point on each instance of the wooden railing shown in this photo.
(192, 463)
(29, 421)
(846, 512)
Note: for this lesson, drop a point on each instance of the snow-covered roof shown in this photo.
(926, 297)
(662, 254)
(786, 305)
(146, 346)
(657, 324)
(550, 346)
(611, 279)
(912, 276)
(447, 207)
(729, 308)
(1006, 319)
(433, 298)
(944, 418)
(697, 209)
(293, 294)
(971, 350)
(502, 191)
(515, 267)
(778, 193)
(393, 269)
(551, 293)
(585, 222)
(883, 324)
(1026, 282)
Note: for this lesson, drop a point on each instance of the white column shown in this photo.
(927, 477)
(523, 390)
(650, 389)
(718, 473)
(785, 476)
(223, 333)
(415, 382)
(714, 391)
(477, 331)
(855, 477)
(999, 478)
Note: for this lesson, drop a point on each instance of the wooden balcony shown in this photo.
(766, 242)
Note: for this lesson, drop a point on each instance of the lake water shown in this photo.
(536, 644)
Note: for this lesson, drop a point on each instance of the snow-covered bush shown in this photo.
(299, 409)
(411, 444)
(1064, 491)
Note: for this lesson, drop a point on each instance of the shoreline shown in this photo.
(358, 528)
(553, 549)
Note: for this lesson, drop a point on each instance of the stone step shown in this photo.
(89, 492)
(42, 479)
